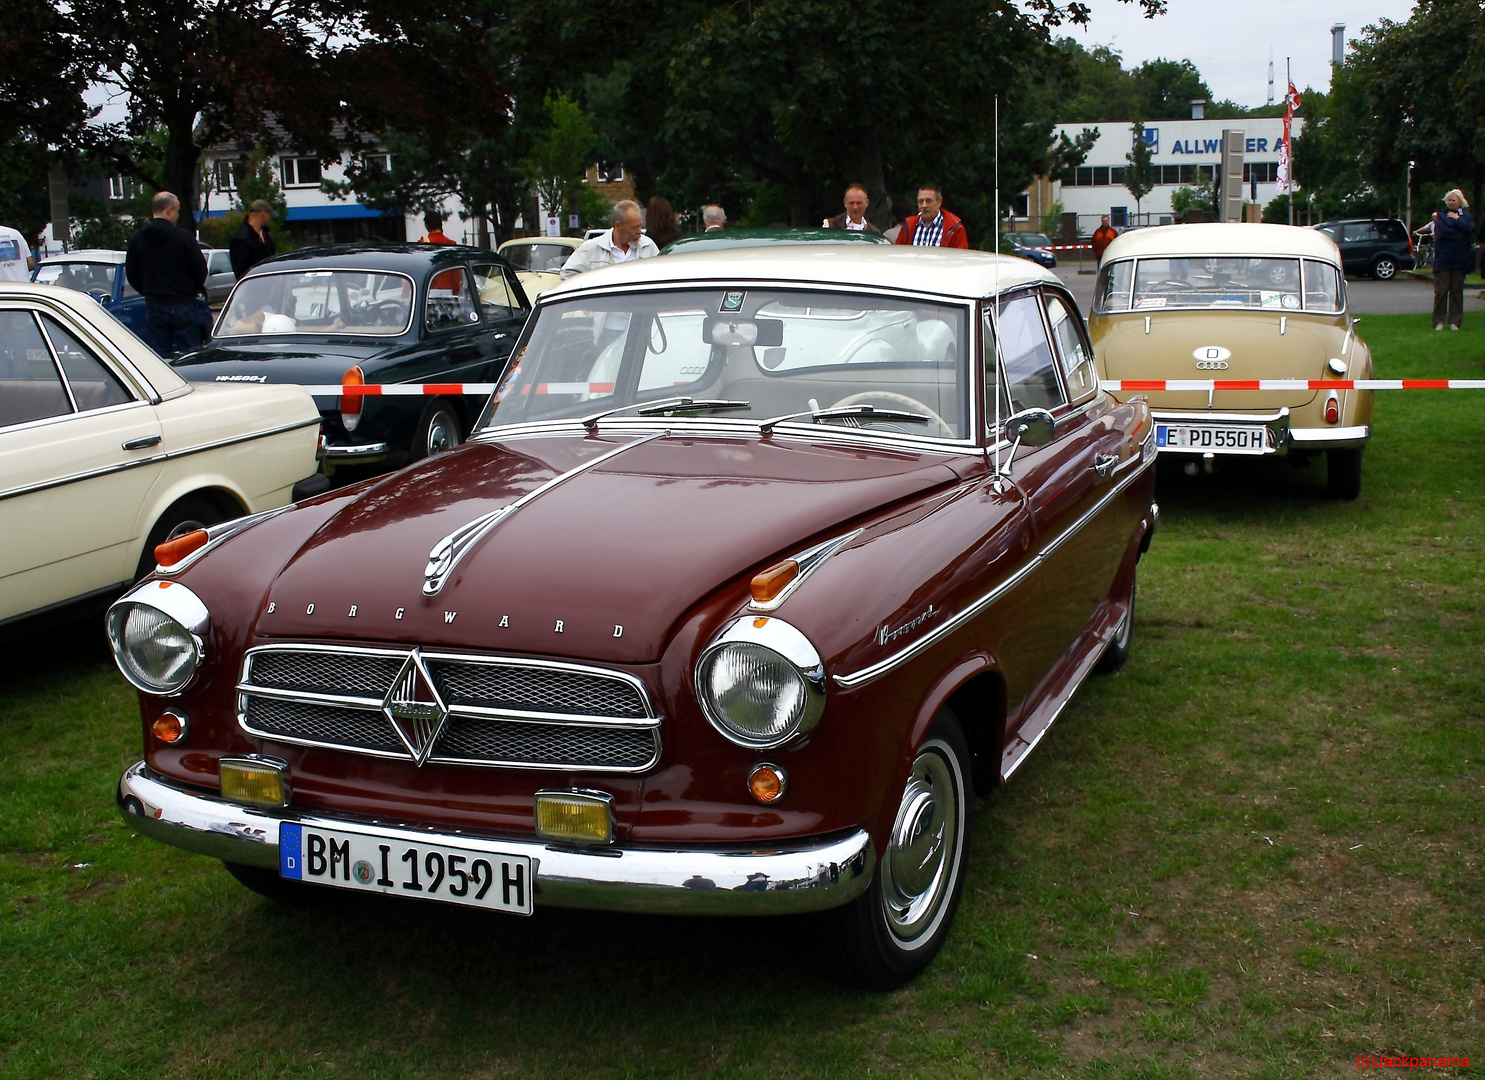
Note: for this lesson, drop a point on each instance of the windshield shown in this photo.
(319, 302)
(780, 351)
(1032, 239)
(88, 277)
(543, 258)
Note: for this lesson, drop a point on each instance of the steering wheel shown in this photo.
(901, 401)
(387, 313)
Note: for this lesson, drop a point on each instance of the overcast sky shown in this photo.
(1231, 41)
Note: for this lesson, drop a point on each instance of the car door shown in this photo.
(1060, 482)
(504, 307)
(78, 453)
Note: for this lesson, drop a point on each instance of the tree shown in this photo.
(1139, 174)
(1166, 89)
(560, 158)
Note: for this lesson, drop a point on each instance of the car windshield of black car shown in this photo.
(360, 302)
(783, 351)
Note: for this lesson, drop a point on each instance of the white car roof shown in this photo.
(1217, 238)
(947, 272)
(88, 255)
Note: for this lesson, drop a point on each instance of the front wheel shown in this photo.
(1343, 473)
(892, 931)
(1384, 269)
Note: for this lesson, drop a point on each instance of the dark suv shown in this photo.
(1376, 246)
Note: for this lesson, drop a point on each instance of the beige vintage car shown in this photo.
(1237, 302)
(106, 452)
(537, 260)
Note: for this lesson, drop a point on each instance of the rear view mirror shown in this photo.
(1032, 427)
(767, 333)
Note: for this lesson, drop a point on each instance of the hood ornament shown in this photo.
(414, 709)
(448, 552)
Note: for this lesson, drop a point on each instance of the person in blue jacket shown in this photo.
(1453, 258)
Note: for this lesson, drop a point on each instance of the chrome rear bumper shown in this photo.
(809, 875)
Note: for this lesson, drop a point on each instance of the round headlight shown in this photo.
(761, 683)
(156, 633)
(155, 653)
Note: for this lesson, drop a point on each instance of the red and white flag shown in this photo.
(1291, 102)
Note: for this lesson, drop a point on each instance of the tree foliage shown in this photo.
(1139, 174)
(560, 156)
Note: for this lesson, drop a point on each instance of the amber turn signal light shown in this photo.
(169, 727)
(173, 551)
(767, 783)
(767, 584)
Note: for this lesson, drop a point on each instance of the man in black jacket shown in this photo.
(165, 265)
(251, 244)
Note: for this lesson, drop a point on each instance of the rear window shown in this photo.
(1393, 230)
(1233, 282)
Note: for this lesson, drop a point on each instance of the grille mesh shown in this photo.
(523, 687)
(326, 673)
(549, 744)
(535, 689)
(357, 728)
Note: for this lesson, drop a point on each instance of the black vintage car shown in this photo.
(404, 313)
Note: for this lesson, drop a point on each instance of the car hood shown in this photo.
(1257, 344)
(308, 362)
(599, 566)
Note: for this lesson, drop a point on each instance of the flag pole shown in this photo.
(1288, 142)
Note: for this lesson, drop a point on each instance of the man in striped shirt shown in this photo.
(932, 225)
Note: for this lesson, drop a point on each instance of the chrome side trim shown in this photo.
(808, 562)
(153, 459)
(218, 533)
(781, 877)
(448, 552)
(948, 626)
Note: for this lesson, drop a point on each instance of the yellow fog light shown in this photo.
(575, 817)
(255, 780)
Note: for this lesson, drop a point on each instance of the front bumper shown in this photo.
(811, 875)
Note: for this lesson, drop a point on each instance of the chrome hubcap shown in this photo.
(185, 527)
(441, 435)
(921, 860)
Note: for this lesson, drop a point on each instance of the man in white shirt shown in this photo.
(16, 263)
(854, 218)
(623, 243)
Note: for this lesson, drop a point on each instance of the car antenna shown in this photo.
(995, 304)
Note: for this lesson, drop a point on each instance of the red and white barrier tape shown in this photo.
(1291, 384)
(1127, 385)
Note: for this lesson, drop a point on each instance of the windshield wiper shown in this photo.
(670, 406)
(850, 412)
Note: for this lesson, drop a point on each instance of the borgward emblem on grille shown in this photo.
(414, 708)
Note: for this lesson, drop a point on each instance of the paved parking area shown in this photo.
(1400, 296)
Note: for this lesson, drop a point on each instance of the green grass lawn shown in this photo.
(1254, 852)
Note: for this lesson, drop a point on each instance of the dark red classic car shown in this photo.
(759, 565)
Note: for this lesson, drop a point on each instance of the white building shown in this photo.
(1185, 153)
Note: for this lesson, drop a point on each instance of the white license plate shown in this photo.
(391, 864)
(1210, 438)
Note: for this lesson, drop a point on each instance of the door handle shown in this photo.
(1105, 464)
(142, 442)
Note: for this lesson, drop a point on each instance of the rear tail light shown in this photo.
(1410, 243)
(1332, 408)
(350, 404)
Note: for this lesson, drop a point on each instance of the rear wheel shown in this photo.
(1343, 473)
(1118, 651)
(438, 431)
(187, 515)
(1385, 268)
(892, 931)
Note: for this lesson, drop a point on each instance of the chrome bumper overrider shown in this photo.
(810, 876)
(1331, 438)
(357, 451)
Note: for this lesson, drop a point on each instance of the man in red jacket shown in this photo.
(932, 225)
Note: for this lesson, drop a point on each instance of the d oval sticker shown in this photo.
(1211, 357)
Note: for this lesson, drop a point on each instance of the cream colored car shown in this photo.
(106, 452)
(1237, 302)
(537, 260)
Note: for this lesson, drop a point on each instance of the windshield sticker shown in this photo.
(1270, 299)
(732, 301)
(1150, 301)
(1290, 300)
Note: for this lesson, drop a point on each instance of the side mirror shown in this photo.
(1031, 427)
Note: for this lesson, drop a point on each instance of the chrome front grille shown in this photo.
(491, 711)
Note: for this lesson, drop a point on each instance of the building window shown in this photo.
(1265, 172)
(1021, 205)
(1116, 175)
(377, 161)
(224, 176)
(120, 187)
(1100, 176)
(610, 172)
(300, 172)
